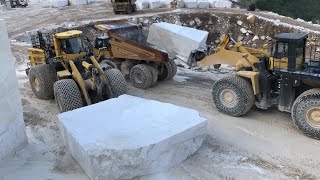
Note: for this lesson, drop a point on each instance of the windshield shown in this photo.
(73, 45)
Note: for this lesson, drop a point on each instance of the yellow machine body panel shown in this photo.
(236, 55)
(101, 53)
(282, 63)
(254, 78)
(68, 34)
(63, 74)
(36, 56)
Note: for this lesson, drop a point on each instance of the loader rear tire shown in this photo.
(155, 73)
(68, 95)
(233, 95)
(141, 76)
(165, 71)
(306, 113)
(118, 84)
(41, 79)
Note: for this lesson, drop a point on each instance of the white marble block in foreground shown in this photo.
(130, 136)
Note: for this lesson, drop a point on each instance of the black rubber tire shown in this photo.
(134, 8)
(118, 84)
(47, 76)
(129, 10)
(141, 76)
(165, 71)
(301, 105)
(174, 69)
(217, 66)
(108, 63)
(155, 73)
(68, 95)
(244, 96)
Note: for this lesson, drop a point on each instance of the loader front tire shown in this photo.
(67, 95)
(117, 82)
(41, 79)
(306, 113)
(233, 95)
(141, 76)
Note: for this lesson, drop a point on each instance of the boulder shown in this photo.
(251, 18)
(243, 30)
(78, 2)
(220, 3)
(250, 32)
(240, 38)
(192, 23)
(54, 3)
(142, 4)
(155, 4)
(180, 4)
(198, 21)
(12, 128)
(255, 38)
(126, 137)
(176, 40)
(239, 23)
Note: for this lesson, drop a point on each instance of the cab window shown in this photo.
(72, 45)
(282, 50)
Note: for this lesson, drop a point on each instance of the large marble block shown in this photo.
(176, 39)
(191, 3)
(78, 2)
(12, 128)
(220, 3)
(203, 4)
(126, 137)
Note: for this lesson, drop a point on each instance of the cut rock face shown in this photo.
(175, 39)
(12, 129)
(129, 136)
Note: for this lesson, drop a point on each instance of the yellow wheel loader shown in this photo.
(63, 68)
(288, 77)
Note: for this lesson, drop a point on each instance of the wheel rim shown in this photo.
(313, 117)
(37, 83)
(139, 78)
(228, 98)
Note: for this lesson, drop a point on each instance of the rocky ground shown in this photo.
(264, 144)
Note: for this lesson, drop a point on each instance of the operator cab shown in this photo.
(101, 42)
(73, 45)
(288, 52)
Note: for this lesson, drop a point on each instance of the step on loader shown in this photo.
(63, 67)
(287, 77)
(122, 45)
